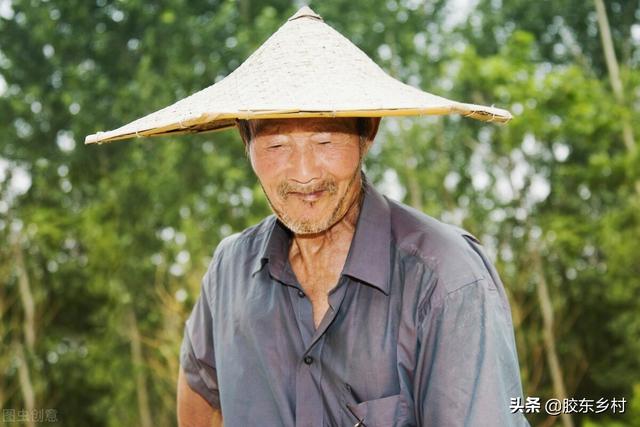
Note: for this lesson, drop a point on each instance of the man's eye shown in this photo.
(324, 142)
(274, 146)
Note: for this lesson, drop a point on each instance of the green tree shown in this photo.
(102, 248)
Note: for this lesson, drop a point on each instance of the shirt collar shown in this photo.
(370, 251)
(369, 255)
(275, 252)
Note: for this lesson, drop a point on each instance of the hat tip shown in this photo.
(305, 12)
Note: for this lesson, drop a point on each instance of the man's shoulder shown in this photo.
(452, 253)
(246, 243)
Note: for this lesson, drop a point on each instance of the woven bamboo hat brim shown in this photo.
(305, 69)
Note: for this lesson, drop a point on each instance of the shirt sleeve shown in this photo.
(197, 351)
(467, 368)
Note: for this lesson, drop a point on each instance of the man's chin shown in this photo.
(305, 226)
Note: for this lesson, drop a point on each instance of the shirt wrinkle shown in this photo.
(387, 349)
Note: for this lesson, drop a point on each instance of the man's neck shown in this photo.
(310, 247)
(318, 260)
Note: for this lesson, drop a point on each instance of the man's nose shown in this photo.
(304, 164)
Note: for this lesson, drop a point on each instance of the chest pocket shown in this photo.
(391, 411)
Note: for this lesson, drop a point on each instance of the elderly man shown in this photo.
(344, 307)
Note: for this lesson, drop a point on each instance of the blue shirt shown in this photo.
(418, 332)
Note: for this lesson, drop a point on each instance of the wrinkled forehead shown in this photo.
(314, 124)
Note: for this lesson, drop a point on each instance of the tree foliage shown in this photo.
(102, 248)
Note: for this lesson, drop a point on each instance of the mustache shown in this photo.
(285, 188)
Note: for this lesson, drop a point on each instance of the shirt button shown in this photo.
(308, 360)
(300, 294)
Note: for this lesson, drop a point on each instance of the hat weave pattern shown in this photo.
(305, 69)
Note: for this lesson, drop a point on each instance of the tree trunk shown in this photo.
(26, 386)
(614, 72)
(29, 330)
(138, 367)
(559, 389)
(245, 11)
(3, 333)
(28, 304)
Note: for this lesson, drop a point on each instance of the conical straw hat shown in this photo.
(305, 69)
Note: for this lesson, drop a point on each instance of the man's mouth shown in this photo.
(308, 197)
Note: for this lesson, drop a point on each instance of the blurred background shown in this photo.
(102, 248)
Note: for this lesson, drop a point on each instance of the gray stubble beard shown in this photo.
(307, 227)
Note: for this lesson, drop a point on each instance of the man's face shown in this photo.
(309, 169)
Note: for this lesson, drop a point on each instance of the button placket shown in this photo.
(309, 408)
